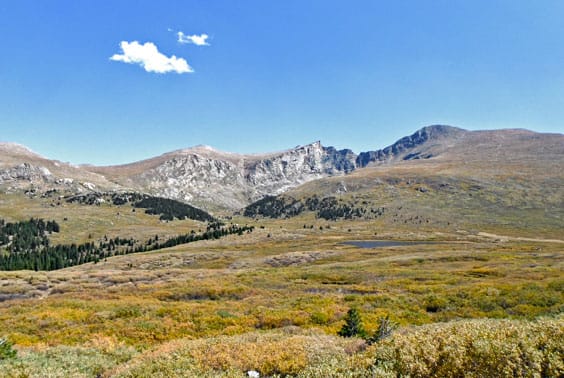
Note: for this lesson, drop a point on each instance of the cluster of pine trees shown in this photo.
(25, 246)
(53, 257)
(329, 208)
(169, 209)
(21, 236)
(274, 207)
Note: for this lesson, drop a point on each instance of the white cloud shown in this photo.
(199, 40)
(148, 56)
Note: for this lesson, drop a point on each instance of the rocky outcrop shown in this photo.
(213, 179)
(40, 179)
(202, 175)
(23, 169)
(405, 148)
(195, 178)
(25, 172)
(340, 160)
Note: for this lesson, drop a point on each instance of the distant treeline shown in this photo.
(329, 208)
(24, 245)
(168, 209)
(274, 207)
(21, 236)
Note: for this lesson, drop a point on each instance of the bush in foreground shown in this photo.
(6, 349)
(468, 348)
(65, 361)
(475, 348)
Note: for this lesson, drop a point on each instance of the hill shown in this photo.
(505, 181)
(24, 170)
(467, 262)
(217, 180)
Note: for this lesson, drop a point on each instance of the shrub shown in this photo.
(320, 318)
(6, 349)
(279, 353)
(385, 329)
(66, 361)
(475, 348)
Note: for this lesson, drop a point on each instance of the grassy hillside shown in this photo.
(122, 316)
(416, 197)
(81, 223)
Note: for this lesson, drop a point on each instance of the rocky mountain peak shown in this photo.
(437, 131)
(210, 178)
(414, 146)
(202, 175)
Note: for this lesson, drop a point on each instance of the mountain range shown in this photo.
(213, 179)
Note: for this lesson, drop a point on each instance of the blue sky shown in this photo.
(274, 74)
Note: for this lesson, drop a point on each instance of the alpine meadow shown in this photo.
(360, 244)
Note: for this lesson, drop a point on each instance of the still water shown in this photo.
(384, 243)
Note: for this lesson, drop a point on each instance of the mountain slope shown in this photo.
(423, 144)
(205, 176)
(214, 180)
(21, 168)
(504, 181)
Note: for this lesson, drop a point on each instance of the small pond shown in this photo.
(385, 243)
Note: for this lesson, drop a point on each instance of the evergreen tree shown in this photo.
(353, 325)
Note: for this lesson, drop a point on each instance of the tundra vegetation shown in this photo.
(484, 299)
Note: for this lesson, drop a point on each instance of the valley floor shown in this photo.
(274, 300)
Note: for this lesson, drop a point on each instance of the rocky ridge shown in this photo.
(202, 175)
(411, 147)
(23, 169)
(211, 179)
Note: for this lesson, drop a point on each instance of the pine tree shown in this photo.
(353, 325)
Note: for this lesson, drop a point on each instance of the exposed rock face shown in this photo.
(342, 160)
(40, 179)
(194, 178)
(203, 175)
(405, 148)
(213, 179)
(26, 172)
(23, 169)
(209, 178)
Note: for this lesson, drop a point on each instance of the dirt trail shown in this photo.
(509, 238)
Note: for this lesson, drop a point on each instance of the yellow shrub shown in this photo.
(264, 355)
(476, 348)
(290, 351)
